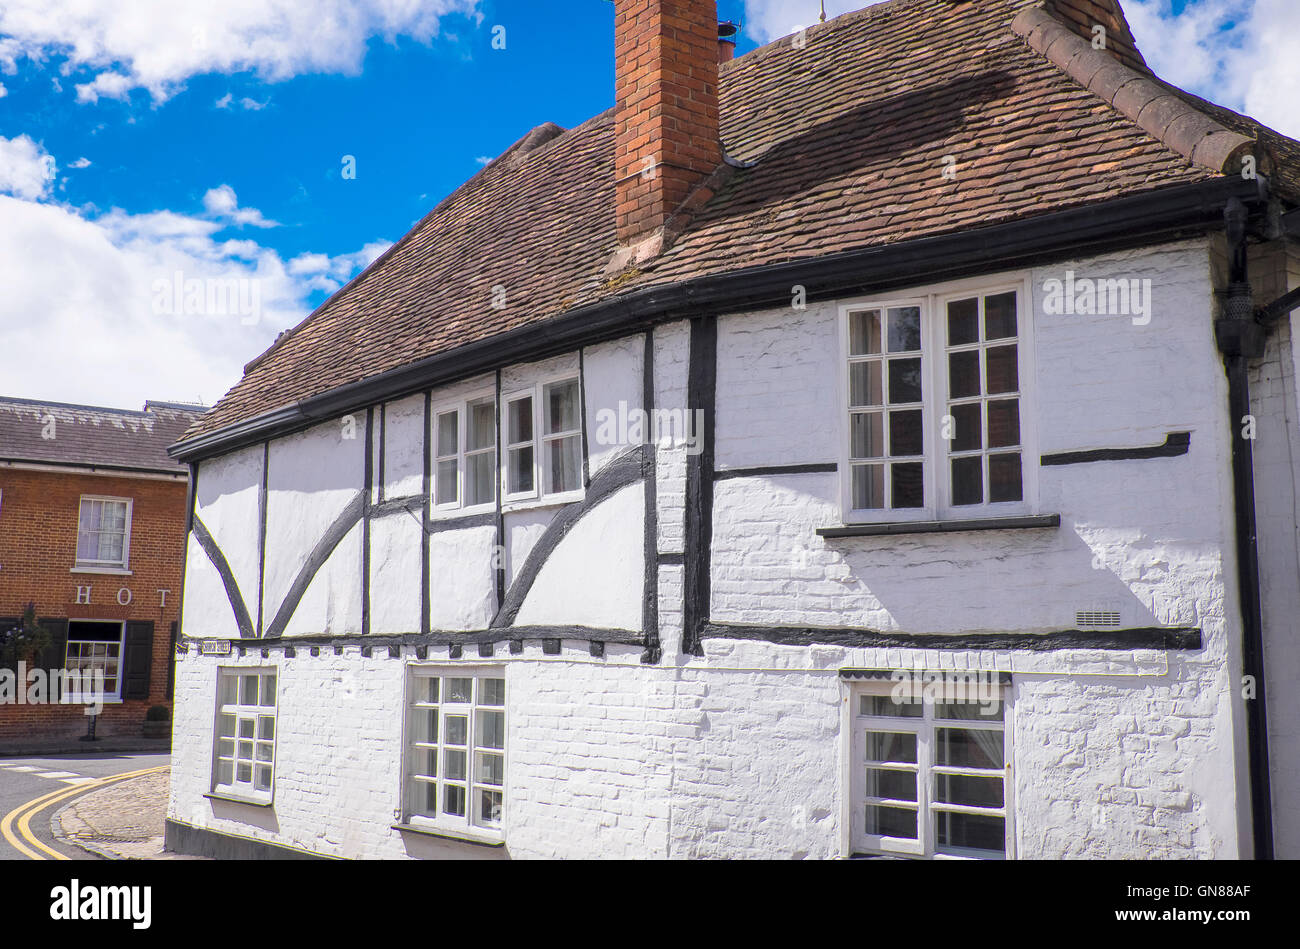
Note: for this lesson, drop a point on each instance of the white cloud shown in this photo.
(767, 20)
(253, 105)
(116, 308)
(484, 160)
(222, 204)
(224, 101)
(156, 45)
(26, 169)
(80, 163)
(3, 91)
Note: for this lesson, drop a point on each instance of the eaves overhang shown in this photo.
(1158, 216)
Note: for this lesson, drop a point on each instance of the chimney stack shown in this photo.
(666, 56)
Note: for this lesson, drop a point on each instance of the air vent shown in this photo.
(1094, 618)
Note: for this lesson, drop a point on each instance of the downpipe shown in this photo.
(1241, 337)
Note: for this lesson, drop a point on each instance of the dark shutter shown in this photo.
(137, 659)
(8, 660)
(52, 657)
(171, 663)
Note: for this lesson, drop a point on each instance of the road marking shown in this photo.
(23, 767)
(21, 816)
(58, 774)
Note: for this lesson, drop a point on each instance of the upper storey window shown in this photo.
(104, 532)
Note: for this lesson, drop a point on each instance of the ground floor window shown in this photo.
(456, 749)
(243, 762)
(930, 768)
(95, 647)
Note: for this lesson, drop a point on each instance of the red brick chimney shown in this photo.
(666, 56)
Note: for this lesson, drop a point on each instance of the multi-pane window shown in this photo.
(244, 754)
(562, 437)
(94, 648)
(984, 399)
(934, 406)
(465, 455)
(103, 532)
(543, 440)
(456, 749)
(886, 409)
(930, 774)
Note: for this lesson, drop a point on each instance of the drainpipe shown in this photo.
(1240, 337)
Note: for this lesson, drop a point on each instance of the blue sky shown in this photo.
(205, 140)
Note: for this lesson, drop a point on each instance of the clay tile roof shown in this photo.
(841, 136)
(56, 433)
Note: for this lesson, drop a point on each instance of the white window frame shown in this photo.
(537, 392)
(937, 486)
(468, 825)
(461, 407)
(241, 790)
(122, 564)
(854, 726)
(116, 694)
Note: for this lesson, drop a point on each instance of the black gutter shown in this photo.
(1158, 216)
(1240, 338)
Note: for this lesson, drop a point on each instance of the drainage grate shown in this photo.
(1096, 618)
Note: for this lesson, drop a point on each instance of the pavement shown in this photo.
(34, 787)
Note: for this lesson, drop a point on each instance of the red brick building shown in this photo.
(92, 535)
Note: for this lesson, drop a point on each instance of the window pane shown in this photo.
(904, 329)
(226, 727)
(968, 480)
(491, 770)
(266, 728)
(520, 420)
(489, 807)
(976, 831)
(562, 407)
(265, 751)
(453, 764)
(968, 748)
(491, 691)
(225, 772)
(891, 821)
(459, 690)
(1004, 478)
(448, 434)
(431, 691)
(971, 790)
(963, 322)
(868, 487)
(446, 490)
(565, 458)
(248, 690)
(904, 381)
(963, 374)
(864, 383)
(482, 426)
(905, 433)
(229, 689)
(457, 730)
(246, 728)
(864, 333)
(966, 427)
(491, 729)
(453, 800)
(907, 486)
(245, 750)
(268, 690)
(895, 785)
(1000, 367)
(1004, 423)
(867, 432)
(481, 478)
(1000, 316)
(244, 773)
(984, 710)
(891, 746)
(521, 469)
(887, 705)
(431, 799)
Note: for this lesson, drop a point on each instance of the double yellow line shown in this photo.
(21, 816)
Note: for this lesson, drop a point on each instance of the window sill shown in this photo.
(111, 571)
(232, 799)
(513, 505)
(879, 529)
(481, 840)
